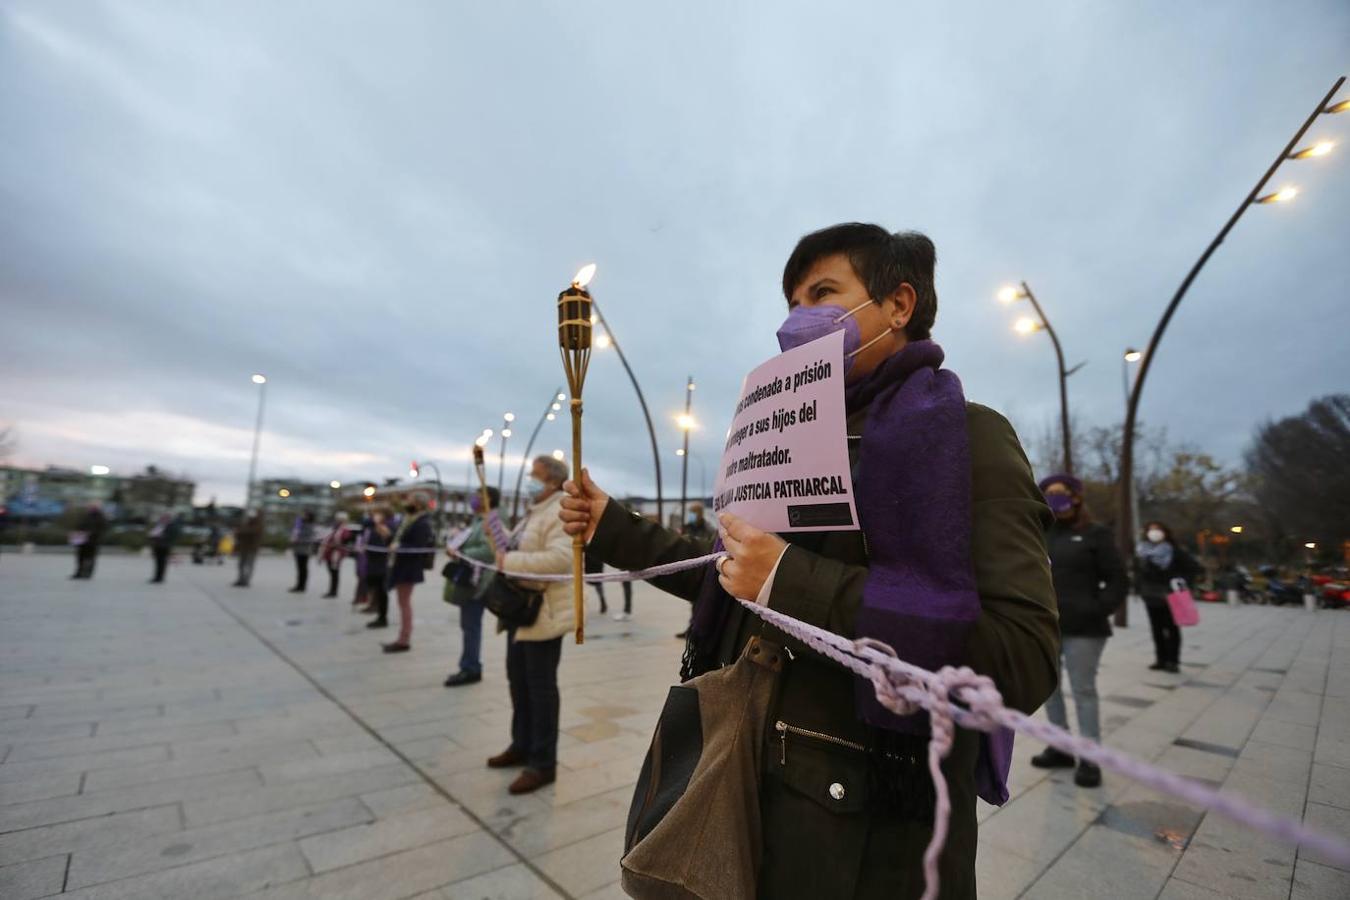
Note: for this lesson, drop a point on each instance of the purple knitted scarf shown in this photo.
(914, 505)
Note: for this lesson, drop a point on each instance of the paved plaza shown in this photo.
(193, 740)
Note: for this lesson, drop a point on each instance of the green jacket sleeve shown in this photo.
(817, 589)
(626, 540)
(476, 546)
(1016, 638)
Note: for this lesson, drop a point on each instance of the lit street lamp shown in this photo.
(702, 470)
(507, 419)
(687, 424)
(550, 414)
(1027, 325)
(99, 470)
(261, 382)
(1254, 196)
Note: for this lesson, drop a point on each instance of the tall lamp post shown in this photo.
(550, 413)
(603, 341)
(415, 472)
(686, 423)
(261, 382)
(702, 470)
(507, 419)
(1027, 325)
(1254, 196)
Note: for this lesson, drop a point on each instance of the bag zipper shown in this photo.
(784, 729)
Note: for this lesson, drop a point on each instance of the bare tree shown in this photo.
(1300, 468)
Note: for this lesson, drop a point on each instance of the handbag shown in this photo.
(513, 605)
(1182, 604)
(694, 824)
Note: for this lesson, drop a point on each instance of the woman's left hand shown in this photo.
(752, 556)
(501, 561)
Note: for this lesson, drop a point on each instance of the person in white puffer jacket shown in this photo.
(534, 651)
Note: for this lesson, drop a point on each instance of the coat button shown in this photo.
(837, 791)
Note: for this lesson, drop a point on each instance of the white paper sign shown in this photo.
(785, 463)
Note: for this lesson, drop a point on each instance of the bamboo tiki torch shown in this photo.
(574, 341)
(479, 467)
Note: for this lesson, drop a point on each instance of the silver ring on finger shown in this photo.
(721, 561)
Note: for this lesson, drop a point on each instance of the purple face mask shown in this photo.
(805, 324)
(1059, 503)
(475, 503)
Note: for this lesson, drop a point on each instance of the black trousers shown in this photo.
(246, 560)
(532, 670)
(1166, 634)
(333, 569)
(377, 593)
(301, 571)
(161, 561)
(85, 555)
(627, 596)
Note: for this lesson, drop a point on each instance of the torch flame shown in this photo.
(584, 275)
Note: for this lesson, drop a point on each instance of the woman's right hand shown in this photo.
(582, 506)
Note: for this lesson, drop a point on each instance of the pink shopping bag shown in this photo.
(1182, 604)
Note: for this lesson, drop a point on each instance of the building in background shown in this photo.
(45, 495)
(282, 499)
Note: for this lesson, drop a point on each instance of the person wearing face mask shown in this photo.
(1089, 584)
(1158, 560)
(533, 651)
(407, 570)
(467, 593)
(949, 567)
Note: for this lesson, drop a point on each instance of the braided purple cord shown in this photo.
(959, 696)
(640, 575)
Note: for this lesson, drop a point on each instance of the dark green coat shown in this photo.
(858, 846)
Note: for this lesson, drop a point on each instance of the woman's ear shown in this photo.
(905, 299)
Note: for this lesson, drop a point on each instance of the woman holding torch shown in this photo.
(949, 568)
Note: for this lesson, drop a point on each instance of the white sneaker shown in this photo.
(620, 617)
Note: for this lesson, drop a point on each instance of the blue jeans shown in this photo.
(471, 627)
(1081, 656)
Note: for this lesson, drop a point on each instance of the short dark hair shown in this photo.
(881, 260)
(494, 497)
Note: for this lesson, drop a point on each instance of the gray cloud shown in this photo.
(376, 205)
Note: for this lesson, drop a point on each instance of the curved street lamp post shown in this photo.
(603, 341)
(550, 413)
(1029, 326)
(261, 382)
(1254, 196)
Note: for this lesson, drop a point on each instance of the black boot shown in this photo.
(1051, 758)
(1088, 775)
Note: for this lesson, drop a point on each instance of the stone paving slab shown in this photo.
(195, 740)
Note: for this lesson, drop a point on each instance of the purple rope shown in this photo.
(598, 577)
(960, 696)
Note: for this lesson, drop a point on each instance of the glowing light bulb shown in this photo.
(559, 455)
(603, 342)
(1008, 294)
(260, 379)
(335, 484)
(1026, 325)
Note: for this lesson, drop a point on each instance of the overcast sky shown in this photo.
(376, 204)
